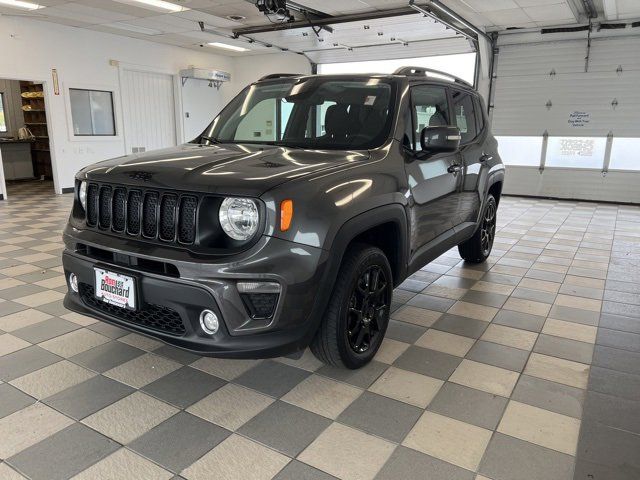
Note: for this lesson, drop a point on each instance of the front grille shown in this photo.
(155, 317)
(152, 214)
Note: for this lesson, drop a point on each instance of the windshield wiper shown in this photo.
(210, 139)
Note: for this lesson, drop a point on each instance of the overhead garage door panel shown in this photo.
(530, 99)
(427, 48)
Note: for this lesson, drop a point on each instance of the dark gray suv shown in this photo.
(290, 220)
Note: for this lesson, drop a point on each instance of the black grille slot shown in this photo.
(150, 215)
(133, 212)
(104, 214)
(260, 305)
(187, 220)
(156, 215)
(92, 205)
(156, 317)
(168, 217)
(118, 211)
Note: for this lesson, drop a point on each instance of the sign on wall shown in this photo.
(578, 119)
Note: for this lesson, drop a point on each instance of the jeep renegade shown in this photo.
(291, 219)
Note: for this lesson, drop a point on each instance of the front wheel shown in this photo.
(478, 247)
(357, 316)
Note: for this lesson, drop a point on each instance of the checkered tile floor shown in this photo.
(484, 372)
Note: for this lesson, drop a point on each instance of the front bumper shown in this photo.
(303, 273)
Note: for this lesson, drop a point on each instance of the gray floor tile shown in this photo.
(576, 315)
(617, 339)
(12, 400)
(25, 361)
(501, 278)
(176, 354)
(544, 275)
(485, 298)
(285, 428)
(39, 332)
(363, 377)
(524, 321)
(179, 441)
(612, 447)
(618, 322)
(88, 397)
(534, 295)
(63, 454)
(469, 405)
(296, 470)
(467, 327)
(272, 378)
(498, 355)
(430, 302)
(586, 470)
(508, 458)
(20, 291)
(612, 411)
(564, 348)
(428, 362)
(615, 359)
(551, 396)
(406, 463)
(106, 356)
(413, 285)
(184, 387)
(381, 416)
(617, 286)
(108, 330)
(624, 309)
(614, 383)
(54, 308)
(404, 332)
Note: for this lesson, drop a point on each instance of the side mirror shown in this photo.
(440, 139)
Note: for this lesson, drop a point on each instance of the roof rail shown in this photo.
(279, 75)
(423, 71)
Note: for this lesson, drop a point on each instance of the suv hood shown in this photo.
(232, 169)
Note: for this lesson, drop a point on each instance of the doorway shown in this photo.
(24, 138)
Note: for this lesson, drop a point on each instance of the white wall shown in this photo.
(251, 68)
(30, 49)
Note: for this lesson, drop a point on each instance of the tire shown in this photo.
(354, 324)
(478, 247)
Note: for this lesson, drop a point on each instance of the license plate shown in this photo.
(116, 289)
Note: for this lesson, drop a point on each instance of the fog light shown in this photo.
(73, 281)
(209, 322)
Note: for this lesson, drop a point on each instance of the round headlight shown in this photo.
(239, 217)
(82, 195)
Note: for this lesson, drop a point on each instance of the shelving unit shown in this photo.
(35, 119)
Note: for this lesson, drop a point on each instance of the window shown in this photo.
(523, 151)
(92, 112)
(430, 109)
(3, 121)
(465, 115)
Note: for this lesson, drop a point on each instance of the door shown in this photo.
(433, 180)
(465, 109)
(149, 110)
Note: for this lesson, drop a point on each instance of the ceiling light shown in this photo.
(226, 46)
(172, 7)
(21, 4)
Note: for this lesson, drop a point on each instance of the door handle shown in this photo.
(486, 158)
(455, 168)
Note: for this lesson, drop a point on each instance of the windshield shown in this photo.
(314, 112)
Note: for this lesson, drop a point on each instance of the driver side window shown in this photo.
(430, 108)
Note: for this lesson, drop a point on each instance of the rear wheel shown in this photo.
(358, 313)
(478, 247)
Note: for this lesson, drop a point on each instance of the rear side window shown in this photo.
(430, 109)
(465, 115)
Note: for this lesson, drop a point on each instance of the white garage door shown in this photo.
(149, 110)
(581, 127)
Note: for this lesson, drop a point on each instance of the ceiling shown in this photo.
(134, 19)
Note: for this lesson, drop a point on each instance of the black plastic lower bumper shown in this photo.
(186, 299)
